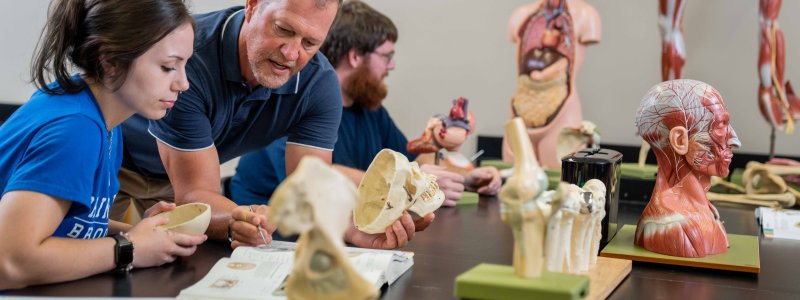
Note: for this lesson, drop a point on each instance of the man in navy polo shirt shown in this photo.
(255, 76)
(361, 46)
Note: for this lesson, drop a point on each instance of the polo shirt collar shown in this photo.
(230, 56)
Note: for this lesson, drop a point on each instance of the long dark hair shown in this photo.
(98, 36)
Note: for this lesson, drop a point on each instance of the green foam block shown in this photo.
(633, 170)
(468, 198)
(489, 281)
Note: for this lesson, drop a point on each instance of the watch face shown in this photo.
(123, 253)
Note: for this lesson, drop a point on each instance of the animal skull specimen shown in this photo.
(315, 201)
(391, 186)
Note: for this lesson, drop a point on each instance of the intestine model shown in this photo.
(688, 126)
(551, 38)
(776, 99)
(443, 136)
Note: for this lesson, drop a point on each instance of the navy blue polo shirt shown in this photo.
(221, 110)
(362, 134)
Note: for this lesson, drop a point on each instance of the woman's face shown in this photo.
(155, 78)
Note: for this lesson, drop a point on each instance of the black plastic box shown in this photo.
(604, 165)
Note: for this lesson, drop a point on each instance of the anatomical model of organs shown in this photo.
(776, 99)
(552, 36)
(443, 136)
(687, 124)
(673, 48)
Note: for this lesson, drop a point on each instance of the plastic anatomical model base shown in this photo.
(391, 186)
(554, 230)
(688, 126)
(443, 136)
(551, 38)
(315, 202)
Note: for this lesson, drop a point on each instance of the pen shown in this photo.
(260, 231)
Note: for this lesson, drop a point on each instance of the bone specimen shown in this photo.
(544, 222)
(687, 124)
(551, 38)
(523, 206)
(391, 186)
(316, 202)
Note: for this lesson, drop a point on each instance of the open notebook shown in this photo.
(260, 273)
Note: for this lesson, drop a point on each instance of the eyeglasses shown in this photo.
(389, 57)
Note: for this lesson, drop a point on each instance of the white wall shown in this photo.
(451, 48)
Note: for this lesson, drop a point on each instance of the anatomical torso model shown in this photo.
(551, 36)
(687, 124)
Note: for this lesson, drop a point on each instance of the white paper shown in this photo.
(779, 223)
(259, 273)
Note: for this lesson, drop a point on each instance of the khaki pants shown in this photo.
(136, 194)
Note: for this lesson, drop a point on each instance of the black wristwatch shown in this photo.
(123, 253)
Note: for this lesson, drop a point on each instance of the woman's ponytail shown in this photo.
(60, 36)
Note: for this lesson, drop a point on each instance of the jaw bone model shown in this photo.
(316, 201)
(391, 185)
(444, 135)
(543, 222)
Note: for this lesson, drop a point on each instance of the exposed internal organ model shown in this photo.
(316, 202)
(551, 36)
(776, 99)
(687, 124)
(558, 231)
(673, 50)
(391, 186)
(443, 136)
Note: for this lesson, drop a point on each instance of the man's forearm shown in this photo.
(353, 174)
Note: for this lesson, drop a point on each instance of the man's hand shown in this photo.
(484, 180)
(451, 183)
(160, 207)
(396, 235)
(244, 226)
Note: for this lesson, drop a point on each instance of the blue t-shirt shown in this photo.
(221, 110)
(362, 134)
(58, 145)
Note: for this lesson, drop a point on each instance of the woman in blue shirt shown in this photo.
(61, 151)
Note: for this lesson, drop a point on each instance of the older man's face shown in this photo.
(283, 35)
